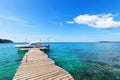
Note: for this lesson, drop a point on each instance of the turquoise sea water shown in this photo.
(85, 61)
(9, 61)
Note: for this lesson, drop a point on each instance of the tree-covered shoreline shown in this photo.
(5, 41)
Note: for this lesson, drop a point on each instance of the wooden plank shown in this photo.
(37, 66)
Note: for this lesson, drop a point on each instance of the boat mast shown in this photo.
(25, 40)
(48, 40)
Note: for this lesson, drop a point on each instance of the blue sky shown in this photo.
(60, 20)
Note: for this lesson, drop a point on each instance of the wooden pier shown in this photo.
(37, 66)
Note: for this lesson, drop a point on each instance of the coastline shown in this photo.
(75, 58)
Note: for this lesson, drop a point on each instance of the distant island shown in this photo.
(109, 41)
(5, 41)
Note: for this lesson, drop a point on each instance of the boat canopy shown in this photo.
(35, 43)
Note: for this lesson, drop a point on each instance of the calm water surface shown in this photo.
(85, 61)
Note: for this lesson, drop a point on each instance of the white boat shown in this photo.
(33, 45)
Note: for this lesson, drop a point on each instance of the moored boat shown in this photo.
(33, 45)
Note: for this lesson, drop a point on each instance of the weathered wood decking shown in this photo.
(37, 66)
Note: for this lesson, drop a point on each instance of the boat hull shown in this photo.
(29, 46)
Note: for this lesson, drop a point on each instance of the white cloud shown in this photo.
(58, 23)
(69, 22)
(14, 19)
(5, 19)
(54, 23)
(98, 21)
